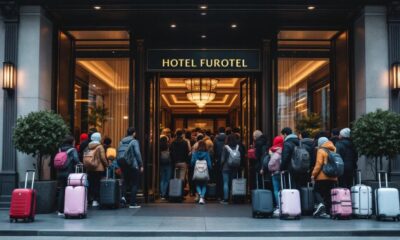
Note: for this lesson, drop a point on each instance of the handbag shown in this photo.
(201, 171)
(251, 153)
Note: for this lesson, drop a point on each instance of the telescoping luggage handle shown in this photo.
(79, 168)
(262, 179)
(113, 173)
(379, 179)
(282, 175)
(26, 178)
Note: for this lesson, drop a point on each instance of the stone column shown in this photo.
(371, 60)
(35, 47)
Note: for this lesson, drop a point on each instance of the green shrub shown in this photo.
(311, 123)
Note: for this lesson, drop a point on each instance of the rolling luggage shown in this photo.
(386, 201)
(110, 193)
(290, 206)
(75, 203)
(175, 192)
(361, 197)
(239, 188)
(261, 200)
(341, 203)
(23, 201)
(307, 199)
(211, 191)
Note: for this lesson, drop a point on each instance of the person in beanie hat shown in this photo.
(323, 184)
(348, 152)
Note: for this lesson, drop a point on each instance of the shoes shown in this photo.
(95, 204)
(324, 215)
(202, 201)
(162, 198)
(277, 212)
(123, 200)
(60, 214)
(224, 202)
(197, 199)
(135, 206)
(319, 210)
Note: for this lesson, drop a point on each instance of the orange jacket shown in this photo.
(322, 159)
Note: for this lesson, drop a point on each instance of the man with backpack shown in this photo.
(346, 149)
(129, 159)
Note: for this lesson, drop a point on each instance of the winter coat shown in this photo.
(261, 147)
(201, 155)
(135, 149)
(322, 159)
(225, 156)
(73, 160)
(346, 149)
(100, 156)
(291, 141)
(179, 151)
(219, 143)
(308, 144)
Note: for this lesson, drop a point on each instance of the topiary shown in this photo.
(311, 123)
(377, 135)
(39, 134)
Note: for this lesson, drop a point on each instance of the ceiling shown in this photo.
(173, 96)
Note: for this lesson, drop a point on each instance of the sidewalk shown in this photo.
(185, 220)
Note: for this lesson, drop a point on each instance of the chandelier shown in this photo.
(201, 90)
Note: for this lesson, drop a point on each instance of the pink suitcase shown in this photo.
(341, 203)
(290, 205)
(75, 204)
(78, 178)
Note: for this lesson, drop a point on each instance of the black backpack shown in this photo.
(334, 166)
(300, 159)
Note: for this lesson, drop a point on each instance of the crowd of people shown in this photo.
(222, 154)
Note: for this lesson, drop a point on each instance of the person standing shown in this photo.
(322, 183)
(95, 173)
(308, 144)
(62, 174)
(131, 171)
(180, 154)
(334, 135)
(219, 143)
(201, 154)
(346, 149)
(260, 145)
(84, 144)
(165, 166)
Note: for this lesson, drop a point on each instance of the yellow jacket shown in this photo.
(322, 159)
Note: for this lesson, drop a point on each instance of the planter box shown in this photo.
(46, 195)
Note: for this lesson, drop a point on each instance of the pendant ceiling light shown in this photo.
(201, 90)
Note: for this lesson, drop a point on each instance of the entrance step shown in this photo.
(5, 201)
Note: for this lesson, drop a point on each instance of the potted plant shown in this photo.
(40, 134)
(376, 135)
(310, 123)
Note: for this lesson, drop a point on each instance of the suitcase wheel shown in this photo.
(32, 219)
(297, 218)
(66, 216)
(12, 220)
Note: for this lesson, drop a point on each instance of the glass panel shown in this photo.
(102, 96)
(297, 77)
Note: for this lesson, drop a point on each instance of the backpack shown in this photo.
(90, 161)
(274, 164)
(61, 159)
(265, 160)
(123, 157)
(334, 166)
(165, 157)
(300, 159)
(201, 171)
(234, 157)
(111, 153)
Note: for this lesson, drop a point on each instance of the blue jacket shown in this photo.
(200, 155)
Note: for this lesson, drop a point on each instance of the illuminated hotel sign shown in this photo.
(160, 60)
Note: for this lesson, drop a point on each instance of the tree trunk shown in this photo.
(390, 168)
(376, 168)
(39, 166)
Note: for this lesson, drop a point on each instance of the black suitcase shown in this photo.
(211, 191)
(110, 193)
(262, 202)
(175, 191)
(307, 199)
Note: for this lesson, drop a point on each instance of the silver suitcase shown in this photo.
(239, 187)
(361, 196)
(387, 201)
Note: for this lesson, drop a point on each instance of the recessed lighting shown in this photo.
(203, 7)
(94, 85)
(125, 117)
(203, 13)
(234, 25)
(173, 25)
(311, 7)
(203, 36)
(97, 7)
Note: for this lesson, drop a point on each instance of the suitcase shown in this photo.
(361, 198)
(23, 201)
(175, 191)
(290, 205)
(75, 201)
(307, 199)
(110, 193)
(262, 201)
(386, 201)
(239, 188)
(341, 203)
(211, 191)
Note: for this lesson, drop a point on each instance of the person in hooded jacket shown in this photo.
(219, 143)
(84, 144)
(62, 174)
(94, 175)
(346, 149)
(322, 183)
(308, 144)
(82, 138)
(261, 146)
(201, 154)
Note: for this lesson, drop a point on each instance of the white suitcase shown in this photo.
(387, 201)
(361, 196)
(290, 204)
(239, 187)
